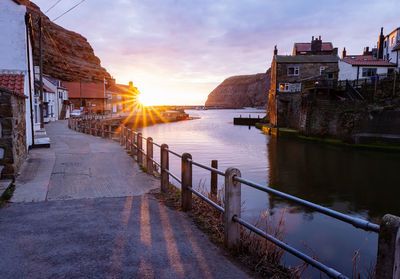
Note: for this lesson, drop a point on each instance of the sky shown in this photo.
(178, 51)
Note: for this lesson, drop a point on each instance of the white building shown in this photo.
(356, 67)
(16, 51)
(61, 107)
(391, 47)
(57, 97)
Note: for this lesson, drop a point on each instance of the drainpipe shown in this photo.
(27, 18)
(358, 72)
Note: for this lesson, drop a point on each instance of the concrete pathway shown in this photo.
(90, 219)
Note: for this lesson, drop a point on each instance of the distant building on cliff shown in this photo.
(290, 75)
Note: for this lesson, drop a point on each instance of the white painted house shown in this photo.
(391, 47)
(356, 67)
(16, 51)
(61, 107)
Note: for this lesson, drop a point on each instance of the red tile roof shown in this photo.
(14, 83)
(89, 90)
(366, 60)
(307, 46)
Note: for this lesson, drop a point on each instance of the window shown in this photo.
(368, 72)
(290, 87)
(293, 71)
(321, 69)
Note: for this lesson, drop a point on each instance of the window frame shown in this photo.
(366, 74)
(295, 74)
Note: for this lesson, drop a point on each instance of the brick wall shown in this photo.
(13, 148)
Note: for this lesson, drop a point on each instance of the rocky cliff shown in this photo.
(66, 55)
(241, 91)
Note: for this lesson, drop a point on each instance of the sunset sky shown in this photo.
(177, 52)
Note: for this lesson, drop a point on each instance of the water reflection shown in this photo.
(355, 182)
(360, 183)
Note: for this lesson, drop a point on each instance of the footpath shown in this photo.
(81, 210)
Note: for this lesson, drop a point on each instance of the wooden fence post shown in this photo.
(149, 155)
(164, 167)
(233, 202)
(110, 131)
(121, 135)
(132, 146)
(139, 149)
(103, 134)
(126, 137)
(186, 179)
(388, 258)
(214, 179)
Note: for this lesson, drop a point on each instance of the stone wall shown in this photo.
(343, 120)
(13, 149)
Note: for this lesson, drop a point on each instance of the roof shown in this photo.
(21, 2)
(45, 88)
(13, 82)
(398, 28)
(366, 60)
(122, 88)
(307, 46)
(89, 90)
(307, 59)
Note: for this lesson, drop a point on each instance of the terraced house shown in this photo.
(291, 73)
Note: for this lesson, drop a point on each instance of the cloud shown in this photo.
(199, 43)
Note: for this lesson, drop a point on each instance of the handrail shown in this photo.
(329, 271)
(172, 152)
(218, 207)
(206, 167)
(173, 175)
(357, 222)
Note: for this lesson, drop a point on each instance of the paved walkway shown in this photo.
(79, 211)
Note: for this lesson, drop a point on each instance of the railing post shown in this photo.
(126, 133)
(233, 202)
(121, 135)
(214, 179)
(110, 132)
(131, 148)
(139, 149)
(164, 166)
(102, 130)
(186, 178)
(388, 258)
(149, 155)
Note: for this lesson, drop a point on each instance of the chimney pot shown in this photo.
(319, 38)
(275, 50)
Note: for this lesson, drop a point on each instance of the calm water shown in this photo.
(355, 182)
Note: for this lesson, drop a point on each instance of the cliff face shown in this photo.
(66, 55)
(241, 91)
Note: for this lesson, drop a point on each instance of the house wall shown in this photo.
(13, 145)
(97, 102)
(13, 51)
(286, 112)
(390, 41)
(349, 72)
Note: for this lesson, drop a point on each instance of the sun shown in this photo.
(145, 99)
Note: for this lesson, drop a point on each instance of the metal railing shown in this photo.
(387, 262)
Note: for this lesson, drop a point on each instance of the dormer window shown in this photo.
(293, 71)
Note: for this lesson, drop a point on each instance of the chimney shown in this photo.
(380, 44)
(275, 50)
(312, 38)
(130, 84)
(344, 53)
(316, 45)
(319, 38)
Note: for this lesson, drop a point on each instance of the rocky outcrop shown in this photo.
(241, 91)
(66, 55)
